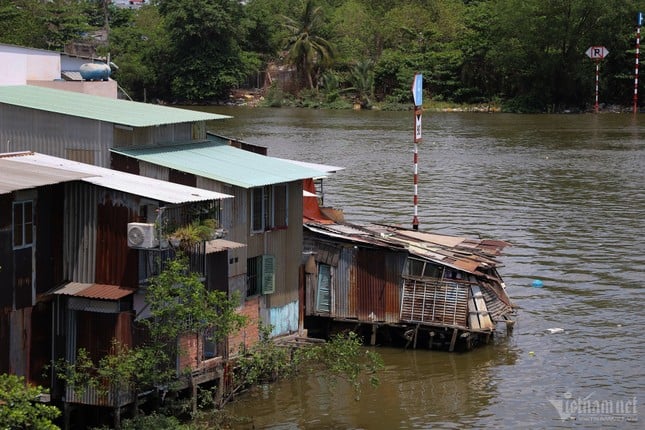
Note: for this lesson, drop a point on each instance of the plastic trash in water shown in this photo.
(555, 330)
(537, 283)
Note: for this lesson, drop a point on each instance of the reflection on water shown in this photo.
(566, 190)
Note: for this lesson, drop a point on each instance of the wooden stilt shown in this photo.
(373, 338)
(455, 332)
(194, 395)
(220, 387)
(431, 340)
(416, 332)
(510, 325)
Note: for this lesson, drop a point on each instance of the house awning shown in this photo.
(218, 245)
(94, 291)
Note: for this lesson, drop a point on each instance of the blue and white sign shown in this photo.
(417, 89)
(640, 18)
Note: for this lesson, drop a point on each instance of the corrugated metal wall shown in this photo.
(344, 291)
(80, 232)
(367, 285)
(54, 134)
(116, 263)
(286, 246)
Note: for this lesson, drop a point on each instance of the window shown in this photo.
(323, 302)
(209, 346)
(422, 268)
(23, 224)
(269, 206)
(260, 275)
(252, 276)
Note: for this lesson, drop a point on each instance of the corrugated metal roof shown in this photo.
(16, 177)
(71, 76)
(113, 179)
(133, 114)
(456, 252)
(221, 245)
(94, 291)
(224, 163)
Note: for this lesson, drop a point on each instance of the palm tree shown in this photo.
(305, 47)
(362, 80)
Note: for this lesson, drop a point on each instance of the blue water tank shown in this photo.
(95, 71)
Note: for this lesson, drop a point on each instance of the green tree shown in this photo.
(20, 407)
(362, 82)
(206, 59)
(139, 45)
(306, 48)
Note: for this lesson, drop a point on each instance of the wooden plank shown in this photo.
(485, 323)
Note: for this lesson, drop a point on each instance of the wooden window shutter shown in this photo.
(268, 274)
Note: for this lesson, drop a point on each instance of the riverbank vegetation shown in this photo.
(516, 55)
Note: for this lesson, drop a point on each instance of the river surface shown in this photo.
(568, 191)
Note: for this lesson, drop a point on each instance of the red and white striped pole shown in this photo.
(638, 46)
(597, 79)
(415, 219)
(417, 93)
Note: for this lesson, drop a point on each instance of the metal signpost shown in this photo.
(417, 93)
(639, 22)
(597, 53)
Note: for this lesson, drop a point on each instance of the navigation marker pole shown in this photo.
(595, 106)
(417, 93)
(597, 53)
(638, 44)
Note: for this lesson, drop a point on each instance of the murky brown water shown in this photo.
(568, 191)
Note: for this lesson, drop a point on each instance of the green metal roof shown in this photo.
(124, 112)
(221, 162)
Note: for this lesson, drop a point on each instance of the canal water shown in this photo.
(568, 191)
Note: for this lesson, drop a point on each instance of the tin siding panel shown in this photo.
(80, 232)
(6, 256)
(393, 268)
(116, 264)
(284, 320)
(23, 261)
(54, 134)
(370, 279)
(344, 291)
(49, 234)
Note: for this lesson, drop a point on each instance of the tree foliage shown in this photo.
(20, 407)
(530, 54)
(307, 49)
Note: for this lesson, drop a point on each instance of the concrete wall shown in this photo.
(19, 65)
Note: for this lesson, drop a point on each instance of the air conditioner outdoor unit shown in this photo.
(142, 235)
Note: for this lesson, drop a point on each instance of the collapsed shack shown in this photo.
(403, 287)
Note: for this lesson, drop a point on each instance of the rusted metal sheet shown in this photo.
(370, 283)
(116, 263)
(394, 263)
(95, 291)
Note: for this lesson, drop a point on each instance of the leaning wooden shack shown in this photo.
(402, 286)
